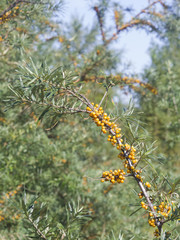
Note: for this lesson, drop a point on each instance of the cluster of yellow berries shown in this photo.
(164, 209)
(127, 152)
(16, 217)
(140, 195)
(8, 15)
(113, 139)
(152, 222)
(148, 185)
(12, 193)
(1, 218)
(7, 196)
(143, 205)
(116, 176)
(156, 233)
(99, 117)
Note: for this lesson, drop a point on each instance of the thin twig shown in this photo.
(131, 23)
(146, 8)
(80, 97)
(103, 98)
(70, 110)
(75, 95)
(98, 13)
(37, 229)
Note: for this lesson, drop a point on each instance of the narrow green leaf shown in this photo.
(174, 185)
(135, 211)
(43, 113)
(149, 165)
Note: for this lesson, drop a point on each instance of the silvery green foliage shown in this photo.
(40, 226)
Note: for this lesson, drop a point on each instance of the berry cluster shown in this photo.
(116, 176)
(140, 195)
(156, 233)
(100, 118)
(152, 222)
(127, 152)
(16, 217)
(1, 217)
(143, 205)
(12, 193)
(6, 197)
(164, 209)
(148, 185)
(9, 14)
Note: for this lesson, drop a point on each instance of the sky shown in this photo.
(135, 44)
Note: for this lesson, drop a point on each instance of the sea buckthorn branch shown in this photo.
(119, 79)
(66, 110)
(13, 5)
(39, 232)
(128, 25)
(127, 154)
(134, 21)
(60, 91)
